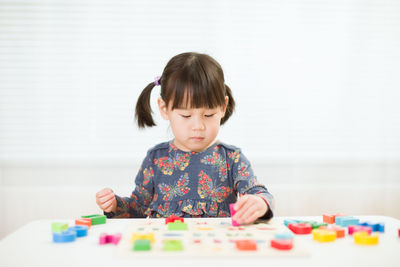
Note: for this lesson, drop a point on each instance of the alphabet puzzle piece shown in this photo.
(109, 239)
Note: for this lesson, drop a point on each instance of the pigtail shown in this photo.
(143, 108)
(231, 105)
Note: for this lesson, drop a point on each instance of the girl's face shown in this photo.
(194, 129)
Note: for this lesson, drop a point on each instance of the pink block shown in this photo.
(108, 239)
(233, 211)
(359, 228)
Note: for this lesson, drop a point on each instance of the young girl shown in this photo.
(193, 175)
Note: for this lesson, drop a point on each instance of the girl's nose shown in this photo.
(198, 124)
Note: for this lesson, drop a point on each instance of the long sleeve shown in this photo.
(245, 182)
(136, 206)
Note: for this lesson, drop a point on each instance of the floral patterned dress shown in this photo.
(190, 184)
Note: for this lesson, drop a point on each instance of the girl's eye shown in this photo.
(210, 115)
(186, 116)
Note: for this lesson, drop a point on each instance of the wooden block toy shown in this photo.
(246, 244)
(173, 218)
(363, 238)
(177, 226)
(359, 228)
(323, 235)
(300, 228)
(399, 232)
(80, 230)
(142, 245)
(173, 245)
(376, 227)
(346, 221)
(287, 222)
(109, 239)
(64, 237)
(148, 236)
(233, 211)
(282, 244)
(283, 235)
(330, 218)
(96, 218)
(316, 225)
(340, 231)
(59, 227)
(87, 222)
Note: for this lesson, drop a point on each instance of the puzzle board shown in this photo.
(207, 237)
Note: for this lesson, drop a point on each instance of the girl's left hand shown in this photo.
(249, 208)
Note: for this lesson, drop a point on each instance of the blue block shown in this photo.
(376, 227)
(287, 222)
(346, 221)
(284, 235)
(80, 230)
(65, 236)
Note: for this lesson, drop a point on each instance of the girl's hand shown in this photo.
(106, 200)
(249, 208)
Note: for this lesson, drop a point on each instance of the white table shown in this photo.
(32, 245)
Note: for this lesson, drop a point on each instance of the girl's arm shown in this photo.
(136, 206)
(253, 195)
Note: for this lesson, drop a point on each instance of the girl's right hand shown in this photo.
(106, 200)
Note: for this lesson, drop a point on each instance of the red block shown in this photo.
(246, 245)
(173, 218)
(282, 244)
(399, 232)
(300, 228)
(359, 228)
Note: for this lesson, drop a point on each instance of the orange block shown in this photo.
(330, 218)
(246, 244)
(84, 221)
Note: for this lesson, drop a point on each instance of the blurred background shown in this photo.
(316, 84)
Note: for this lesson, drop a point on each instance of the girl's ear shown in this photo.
(163, 108)
(226, 104)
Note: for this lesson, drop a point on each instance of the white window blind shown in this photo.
(312, 79)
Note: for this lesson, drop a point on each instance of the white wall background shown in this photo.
(316, 84)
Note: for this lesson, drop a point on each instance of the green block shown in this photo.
(173, 245)
(316, 225)
(142, 245)
(96, 218)
(177, 226)
(59, 227)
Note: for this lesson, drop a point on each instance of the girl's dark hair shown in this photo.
(189, 80)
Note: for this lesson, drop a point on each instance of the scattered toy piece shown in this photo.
(340, 231)
(59, 227)
(173, 218)
(282, 244)
(80, 230)
(84, 221)
(246, 244)
(300, 228)
(173, 245)
(323, 235)
(109, 239)
(363, 238)
(177, 226)
(233, 211)
(96, 218)
(359, 228)
(142, 245)
(64, 237)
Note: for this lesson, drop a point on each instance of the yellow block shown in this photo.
(323, 235)
(136, 236)
(363, 238)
